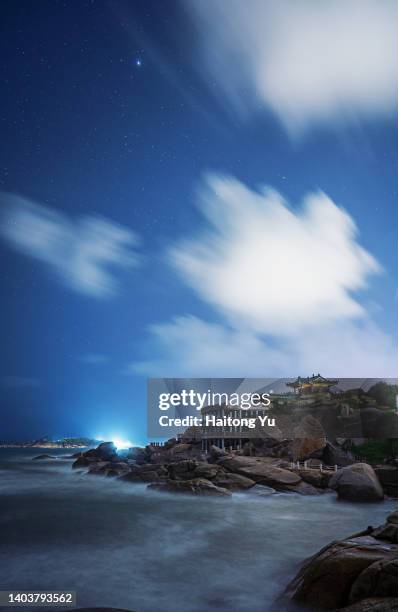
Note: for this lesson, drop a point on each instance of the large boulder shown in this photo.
(208, 470)
(108, 468)
(146, 473)
(302, 488)
(315, 477)
(333, 455)
(309, 438)
(82, 462)
(138, 454)
(217, 453)
(350, 571)
(325, 580)
(106, 451)
(380, 579)
(233, 482)
(357, 482)
(262, 470)
(388, 476)
(197, 486)
(304, 448)
(183, 470)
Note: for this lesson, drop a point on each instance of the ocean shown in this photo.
(117, 544)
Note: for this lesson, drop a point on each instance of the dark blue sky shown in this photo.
(86, 131)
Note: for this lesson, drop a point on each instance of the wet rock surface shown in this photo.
(357, 482)
(197, 486)
(234, 471)
(360, 571)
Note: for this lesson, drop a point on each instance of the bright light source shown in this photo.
(121, 444)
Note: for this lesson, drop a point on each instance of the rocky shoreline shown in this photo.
(357, 574)
(181, 467)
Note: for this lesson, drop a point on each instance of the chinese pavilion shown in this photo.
(312, 384)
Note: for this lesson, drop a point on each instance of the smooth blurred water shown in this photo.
(119, 545)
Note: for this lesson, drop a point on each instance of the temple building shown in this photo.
(233, 437)
(312, 384)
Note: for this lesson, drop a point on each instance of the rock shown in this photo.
(146, 473)
(179, 449)
(108, 468)
(387, 532)
(117, 469)
(316, 478)
(106, 451)
(138, 454)
(374, 604)
(43, 457)
(304, 448)
(92, 452)
(208, 470)
(388, 476)
(217, 453)
(262, 470)
(183, 470)
(98, 467)
(269, 447)
(83, 462)
(332, 455)
(309, 438)
(325, 581)
(380, 579)
(303, 488)
(357, 482)
(352, 572)
(197, 486)
(233, 482)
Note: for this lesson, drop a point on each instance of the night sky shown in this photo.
(112, 116)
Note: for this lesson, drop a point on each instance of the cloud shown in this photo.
(189, 346)
(308, 61)
(272, 268)
(79, 252)
(283, 281)
(19, 382)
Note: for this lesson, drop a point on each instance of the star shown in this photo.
(138, 62)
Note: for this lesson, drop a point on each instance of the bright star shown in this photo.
(138, 62)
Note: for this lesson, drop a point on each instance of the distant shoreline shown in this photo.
(22, 445)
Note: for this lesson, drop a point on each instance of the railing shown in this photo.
(303, 465)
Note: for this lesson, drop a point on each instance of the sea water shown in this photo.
(119, 544)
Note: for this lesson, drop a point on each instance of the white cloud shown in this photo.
(270, 268)
(80, 252)
(191, 347)
(306, 60)
(283, 281)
